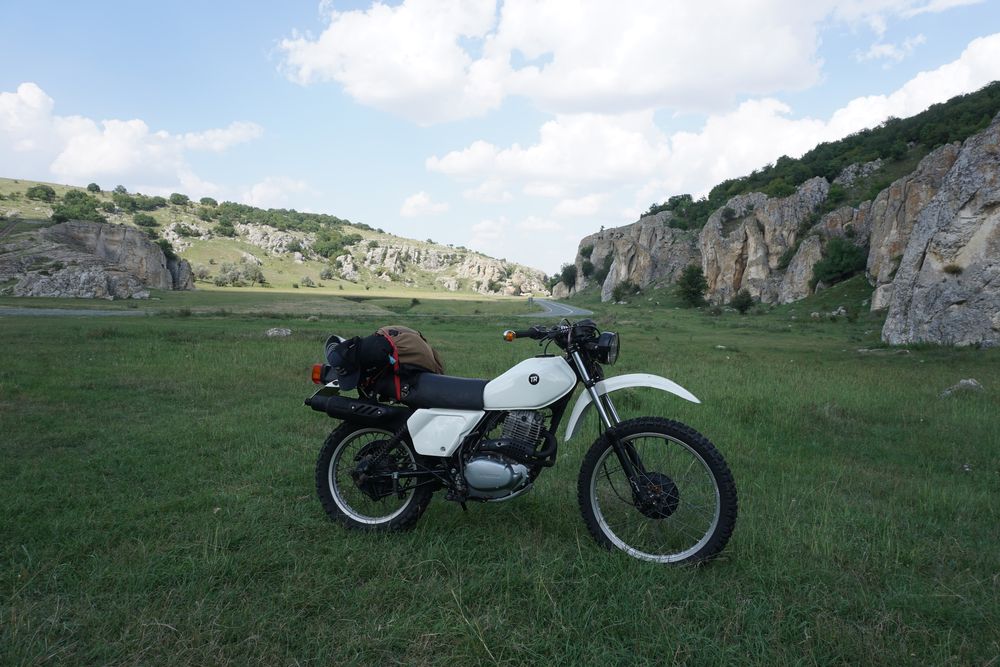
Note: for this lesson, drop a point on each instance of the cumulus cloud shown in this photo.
(76, 149)
(576, 155)
(440, 60)
(895, 53)
(421, 204)
(489, 192)
(273, 192)
(586, 206)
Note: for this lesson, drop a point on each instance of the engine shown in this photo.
(502, 466)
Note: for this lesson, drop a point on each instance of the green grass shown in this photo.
(159, 507)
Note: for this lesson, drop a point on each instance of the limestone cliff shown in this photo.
(947, 287)
(90, 260)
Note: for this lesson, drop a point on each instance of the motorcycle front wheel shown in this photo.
(355, 485)
(678, 506)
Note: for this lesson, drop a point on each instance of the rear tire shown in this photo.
(347, 501)
(687, 510)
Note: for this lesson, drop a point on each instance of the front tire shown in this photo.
(374, 503)
(684, 509)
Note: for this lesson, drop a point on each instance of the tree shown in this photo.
(568, 274)
(208, 201)
(306, 281)
(77, 205)
(841, 260)
(178, 199)
(120, 189)
(624, 289)
(93, 187)
(41, 193)
(691, 286)
(742, 301)
(144, 220)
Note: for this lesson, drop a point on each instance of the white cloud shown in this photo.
(489, 192)
(891, 52)
(440, 60)
(76, 149)
(273, 192)
(421, 204)
(535, 224)
(586, 206)
(576, 157)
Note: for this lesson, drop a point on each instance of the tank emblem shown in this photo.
(533, 378)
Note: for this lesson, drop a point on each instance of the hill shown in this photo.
(229, 244)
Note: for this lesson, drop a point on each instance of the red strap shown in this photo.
(395, 366)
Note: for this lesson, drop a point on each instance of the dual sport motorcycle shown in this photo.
(652, 487)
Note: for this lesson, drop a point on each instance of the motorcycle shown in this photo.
(652, 487)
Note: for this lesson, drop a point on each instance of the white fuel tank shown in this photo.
(532, 384)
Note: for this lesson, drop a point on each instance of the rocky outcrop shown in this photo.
(947, 287)
(273, 240)
(743, 243)
(90, 260)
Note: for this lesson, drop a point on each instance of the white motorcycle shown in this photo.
(654, 488)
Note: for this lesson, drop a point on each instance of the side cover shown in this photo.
(438, 432)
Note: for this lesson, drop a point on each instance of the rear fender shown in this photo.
(609, 385)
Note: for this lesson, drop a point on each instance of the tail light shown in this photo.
(317, 374)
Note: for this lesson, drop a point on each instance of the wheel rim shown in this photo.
(697, 505)
(350, 499)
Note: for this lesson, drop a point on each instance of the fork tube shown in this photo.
(591, 386)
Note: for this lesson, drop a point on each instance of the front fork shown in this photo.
(627, 456)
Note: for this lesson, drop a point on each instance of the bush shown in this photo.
(167, 249)
(306, 281)
(41, 193)
(952, 269)
(225, 228)
(294, 245)
(178, 199)
(568, 274)
(120, 190)
(691, 286)
(144, 220)
(587, 267)
(842, 259)
(742, 301)
(93, 187)
(184, 230)
(327, 273)
(602, 273)
(586, 251)
(414, 302)
(201, 272)
(624, 289)
(77, 205)
(208, 201)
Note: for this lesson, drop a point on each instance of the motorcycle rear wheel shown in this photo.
(686, 509)
(348, 501)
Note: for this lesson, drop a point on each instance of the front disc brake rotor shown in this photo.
(658, 496)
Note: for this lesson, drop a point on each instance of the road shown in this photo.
(66, 312)
(556, 309)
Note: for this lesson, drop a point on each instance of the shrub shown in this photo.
(144, 220)
(120, 190)
(77, 205)
(624, 289)
(93, 187)
(587, 267)
(326, 273)
(414, 302)
(167, 249)
(208, 201)
(602, 273)
(184, 230)
(294, 245)
(296, 285)
(586, 251)
(225, 228)
(568, 274)
(952, 269)
(178, 199)
(373, 244)
(691, 286)
(201, 272)
(842, 259)
(41, 193)
(108, 206)
(742, 301)
(306, 281)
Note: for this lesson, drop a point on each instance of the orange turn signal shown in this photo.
(509, 336)
(317, 374)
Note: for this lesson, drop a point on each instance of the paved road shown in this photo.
(556, 309)
(66, 312)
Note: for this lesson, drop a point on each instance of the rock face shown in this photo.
(742, 243)
(947, 288)
(90, 260)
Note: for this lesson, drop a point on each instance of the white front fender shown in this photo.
(609, 385)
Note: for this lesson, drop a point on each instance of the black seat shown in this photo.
(444, 391)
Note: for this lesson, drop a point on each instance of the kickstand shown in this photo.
(464, 508)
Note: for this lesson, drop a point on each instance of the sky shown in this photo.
(512, 127)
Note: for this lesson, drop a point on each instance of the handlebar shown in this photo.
(510, 335)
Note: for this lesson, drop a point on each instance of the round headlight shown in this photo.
(607, 347)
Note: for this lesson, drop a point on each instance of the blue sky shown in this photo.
(512, 127)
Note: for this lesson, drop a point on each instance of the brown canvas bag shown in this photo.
(412, 348)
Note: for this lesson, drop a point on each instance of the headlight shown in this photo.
(607, 347)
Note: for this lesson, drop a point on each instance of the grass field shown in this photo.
(159, 505)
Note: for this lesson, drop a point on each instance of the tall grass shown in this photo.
(157, 486)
